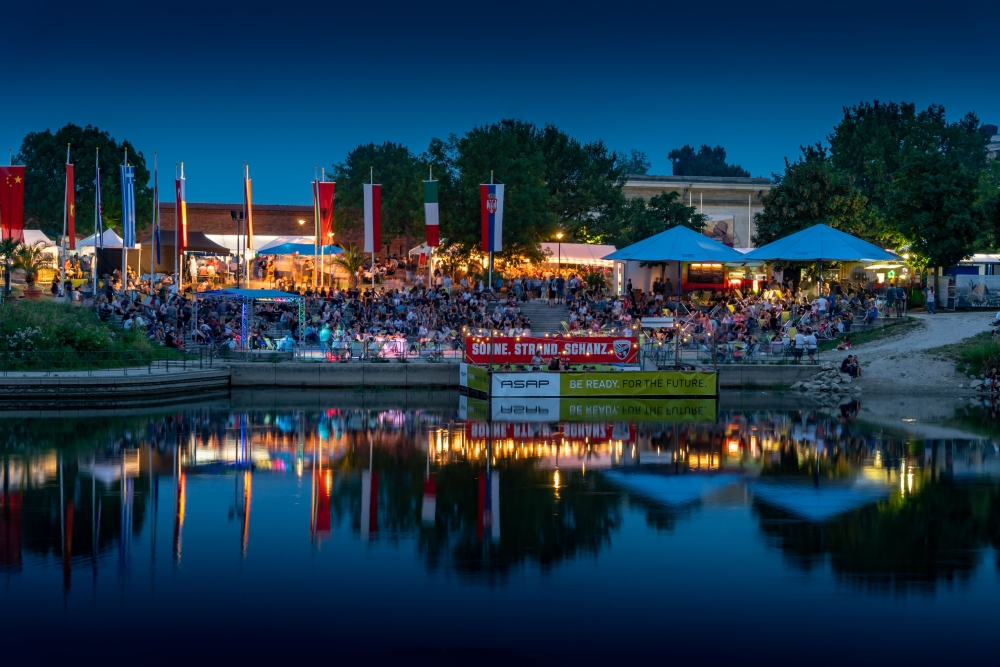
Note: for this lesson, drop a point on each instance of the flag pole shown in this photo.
(322, 246)
(315, 223)
(490, 286)
(97, 214)
(372, 177)
(124, 252)
(430, 249)
(241, 225)
(177, 225)
(62, 252)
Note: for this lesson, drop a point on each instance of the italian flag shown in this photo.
(431, 212)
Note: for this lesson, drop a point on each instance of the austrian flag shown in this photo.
(491, 199)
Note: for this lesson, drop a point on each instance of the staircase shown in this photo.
(544, 319)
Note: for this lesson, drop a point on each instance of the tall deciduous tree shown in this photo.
(638, 219)
(811, 191)
(400, 173)
(512, 151)
(932, 205)
(707, 161)
(43, 155)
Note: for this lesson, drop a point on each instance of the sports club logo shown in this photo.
(491, 203)
(622, 348)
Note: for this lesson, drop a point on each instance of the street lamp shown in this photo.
(559, 236)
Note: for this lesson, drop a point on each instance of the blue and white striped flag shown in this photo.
(128, 206)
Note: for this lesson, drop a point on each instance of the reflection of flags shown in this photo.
(128, 205)
(12, 202)
(248, 206)
(70, 207)
(489, 505)
(429, 507)
(326, 213)
(156, 208)
(373, 217)
(369, 504)
(431, 212)
(491, 201)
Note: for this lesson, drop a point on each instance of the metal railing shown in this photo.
(128, 362)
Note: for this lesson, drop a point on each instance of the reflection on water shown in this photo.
(478, 503)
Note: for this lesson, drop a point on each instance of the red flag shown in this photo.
(423, 258)
(181, 217)
(12, 203)
(326, 212)
(70, 207)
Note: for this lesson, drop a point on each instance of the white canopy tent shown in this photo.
(578, 253)
(110, 240)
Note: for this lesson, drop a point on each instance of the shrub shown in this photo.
(62, 329)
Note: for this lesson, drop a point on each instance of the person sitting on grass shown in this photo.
(845, 344)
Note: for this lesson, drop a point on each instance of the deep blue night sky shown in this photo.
(287, 84)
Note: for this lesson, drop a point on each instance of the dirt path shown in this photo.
(900, 365)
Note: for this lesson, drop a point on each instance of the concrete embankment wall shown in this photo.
(770, 376)
(344, 375)
(105, 390)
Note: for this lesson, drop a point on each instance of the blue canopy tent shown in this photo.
(248, 296)
(291, 248)
(679, 244)
(820, 243)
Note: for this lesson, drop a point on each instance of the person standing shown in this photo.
(931, 300)
(900, 300)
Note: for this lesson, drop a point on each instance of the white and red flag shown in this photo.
(373, 217)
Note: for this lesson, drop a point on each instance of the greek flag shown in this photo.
(128, 206)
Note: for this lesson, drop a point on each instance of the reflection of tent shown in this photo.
(819, 503)
(578, 253)
(820, 243)
(296, 245)
(671, 489)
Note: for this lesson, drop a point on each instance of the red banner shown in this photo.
(70, 207)
(12, 203)
(326, 213)
(590, 350)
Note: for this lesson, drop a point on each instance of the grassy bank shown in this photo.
(975, 355)
(897, 326)
(36, 334)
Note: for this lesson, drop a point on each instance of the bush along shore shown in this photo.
(45, 335)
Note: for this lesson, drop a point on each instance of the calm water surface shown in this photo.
(363, 529)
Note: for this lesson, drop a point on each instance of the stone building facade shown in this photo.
(729, 202)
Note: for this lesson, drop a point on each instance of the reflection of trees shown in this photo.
(905, 544)
(535, 524)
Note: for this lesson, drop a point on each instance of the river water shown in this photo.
(434, 529)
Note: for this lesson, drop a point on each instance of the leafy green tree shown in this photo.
(636, 163)
(811, 191)
(584, 180)
(43, 155)
(872, 140)
(398, 170)
(638, 219)
(351, 260)
(707, 161)
(931, 205)
(8, 251)
(511, 151)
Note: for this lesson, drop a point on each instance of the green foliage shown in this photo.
(930, 206)
(400, 173)
(351, 260)
(636, 163)
(31, 259)
(61, 329)
(8, 251)
(511, 150)
(43, 155)
(811, 191)
(707, 161)
(638, 219)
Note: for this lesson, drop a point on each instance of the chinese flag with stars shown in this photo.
(12, 203)
(70, 207)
